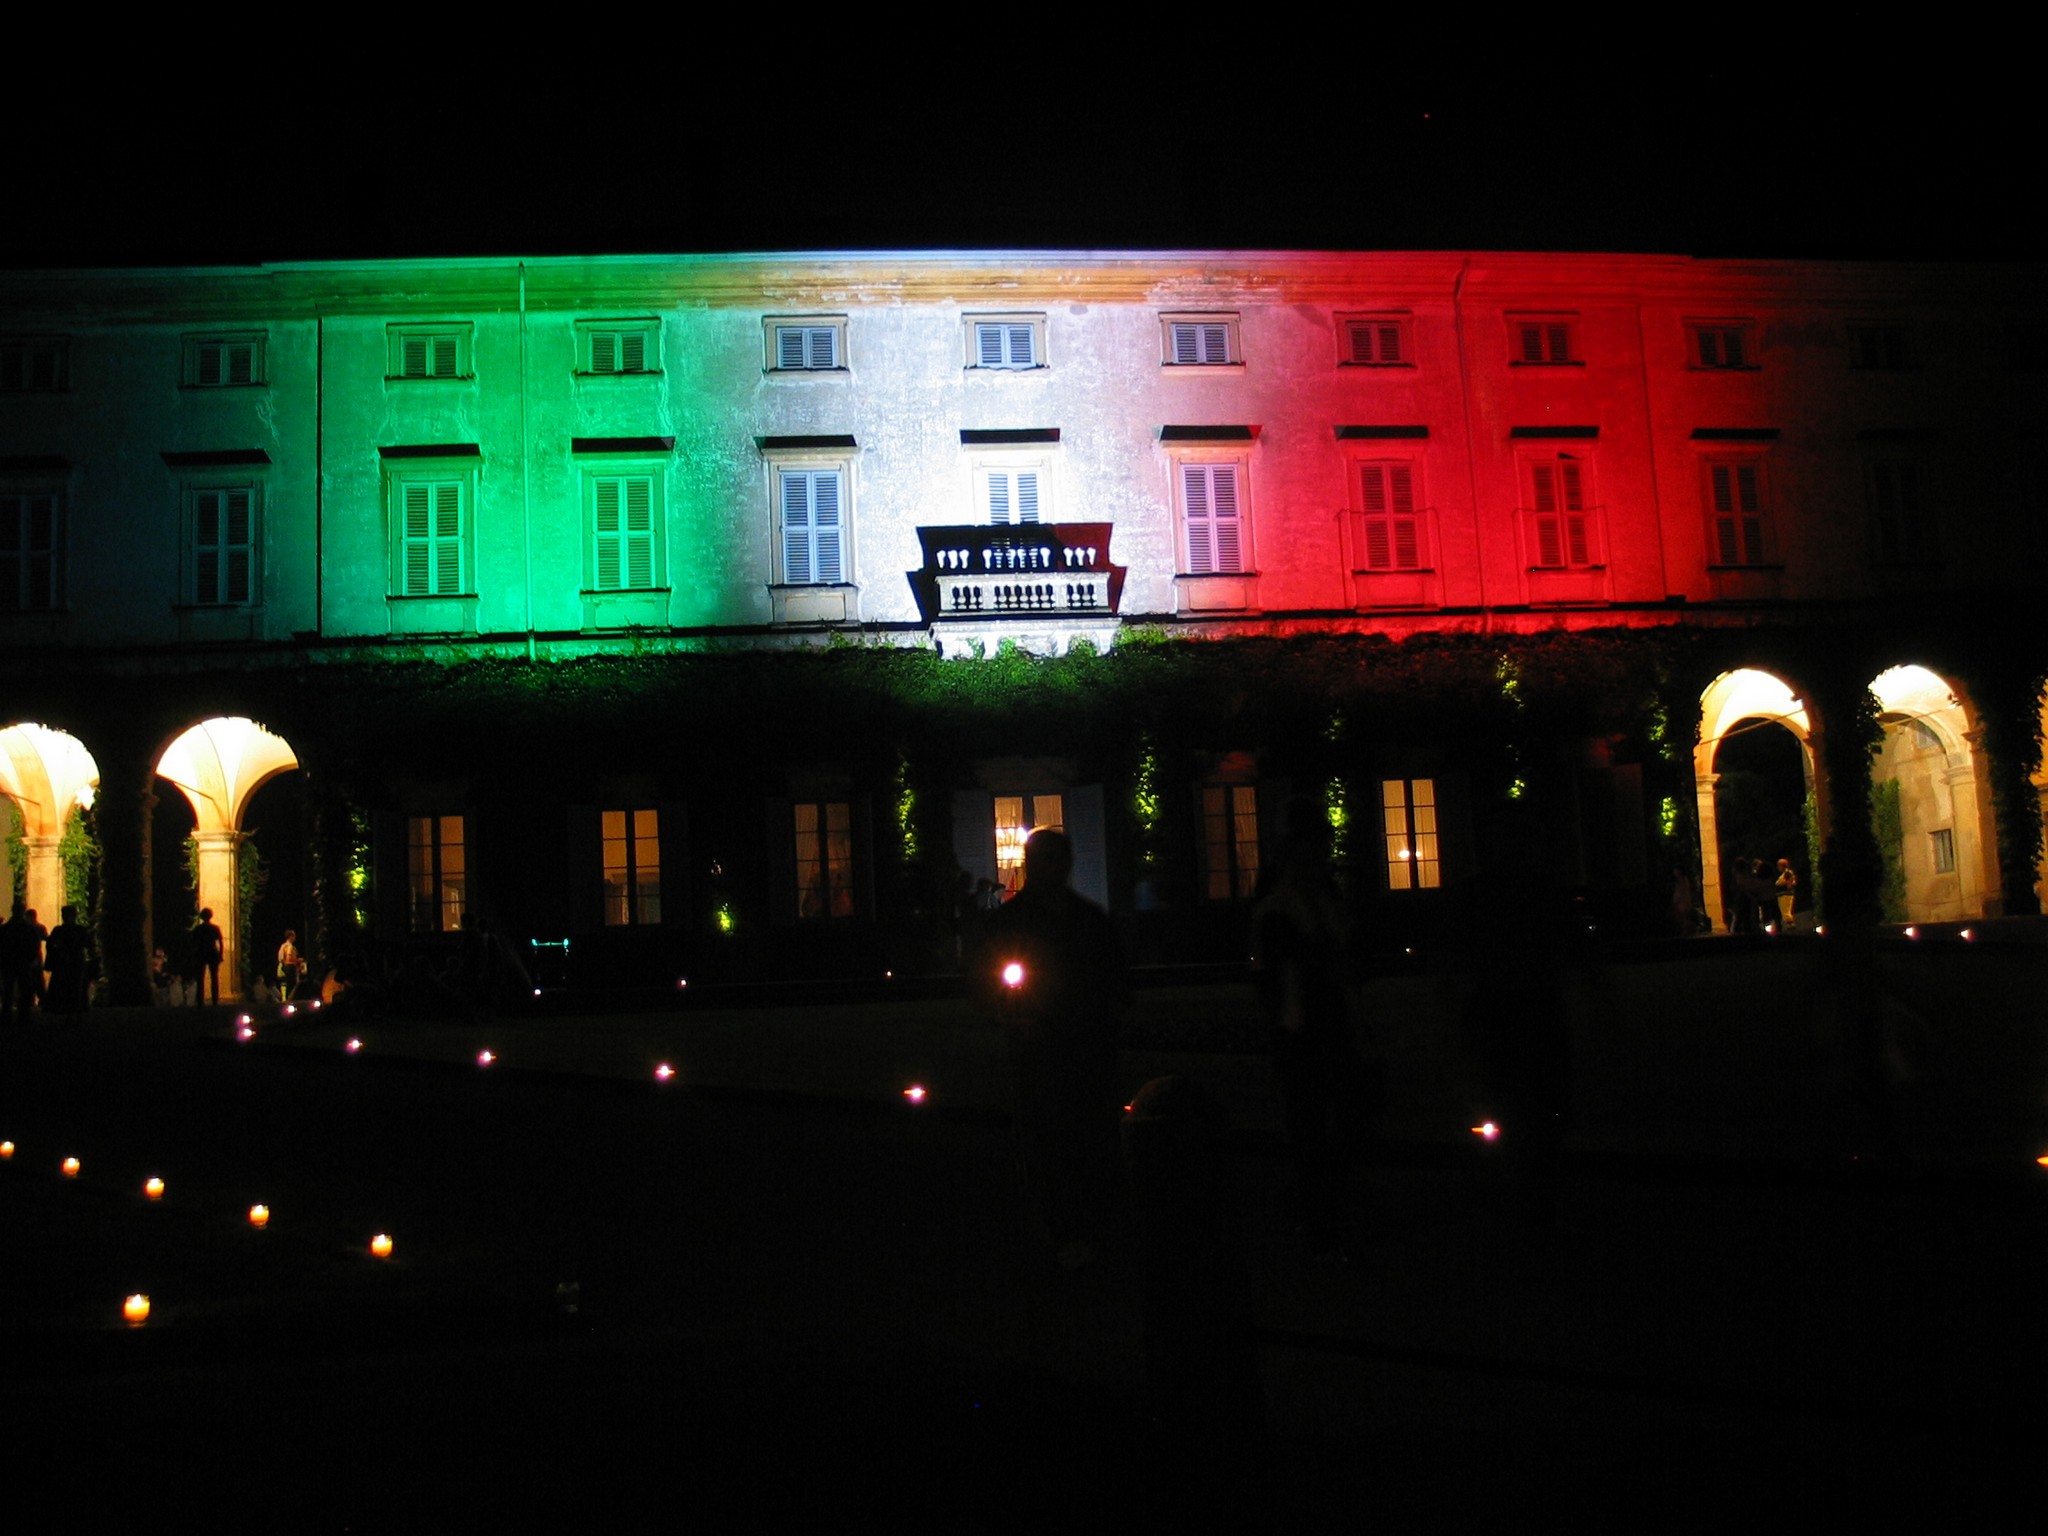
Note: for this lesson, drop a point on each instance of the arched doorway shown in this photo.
(219, 765)
(1757, 731)
(1930, 813)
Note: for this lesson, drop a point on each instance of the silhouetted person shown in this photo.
(21, 965)
(208, 948)
(291, 965)
(1053, 962)
(1787, 885)
(68, 959)
(1302, 941)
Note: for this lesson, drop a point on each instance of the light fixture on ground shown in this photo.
(154, 1189)
(353, 1045)
(136, 1310)
(259, 1215)
(1486, 1130)
(69, 1167)
(485, 1058)
(380, 1246)
(664, 1072)
(6, 1150)
(914, 1093)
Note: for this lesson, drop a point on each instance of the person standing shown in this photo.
(21, 965)
(291, 965)
(69, 962)
(1787, 885)
(1054, 965)
(208, 949)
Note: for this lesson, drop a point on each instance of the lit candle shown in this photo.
(70, 1167)
(136, 1310)
(1912, 933)
(380, 1246)
(154, 1189)
(6, 1149)
(246, 1032)
(1969, 935)
(664, 1072)
(259, 1215)
(353, 1045)
(485, 1058)
(1486, 1130)
(1013, 974)
(914, 1093)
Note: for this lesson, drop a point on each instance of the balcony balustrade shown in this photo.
(1024, 570)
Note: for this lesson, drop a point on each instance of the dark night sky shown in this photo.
(1797, 160)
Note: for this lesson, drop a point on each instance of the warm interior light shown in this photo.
(136, 1310)
(154, 1189)
(380, 1246)
(259, 1215)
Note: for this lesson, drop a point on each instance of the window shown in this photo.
(1373, 341)
(1736, 512)
(618, 346)
(807, 345)
(625, 531)
(1944, 839)
(1392, 521)
(38, 365)
(1017, 817)
(430, 518)
(1721, 344)
(435, 872)
(1879, 347)
(632, 867)
(429, 351)
(1543, 340)
(1013, 492)
(1230, 840)
(811, 515)
(221, 362)
(1898, 517)
(1560, 513)
(1201, 341)
(824, 860)
(31, 551)
(223, 523)
(1212, 516)
(1006, 341)
(1409, 810)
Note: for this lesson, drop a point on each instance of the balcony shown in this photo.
(1028, 571)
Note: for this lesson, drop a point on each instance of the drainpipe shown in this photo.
(525, 471)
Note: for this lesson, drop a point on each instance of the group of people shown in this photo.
(47, 969)
(1757, 892)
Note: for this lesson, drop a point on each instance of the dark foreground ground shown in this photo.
(798, 1296)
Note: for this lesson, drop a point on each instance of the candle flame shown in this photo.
(485, 1058)
(914, 1093)
(1013, 974)
(70, 1166)
(380, 1245)
(259, 1215)
(154, 1189)
(1486, 1130)
(136, 1310)
(664, 1072)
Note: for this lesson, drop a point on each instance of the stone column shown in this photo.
(1710, 849)
(220, 888)
(121, 812)
(45, 878)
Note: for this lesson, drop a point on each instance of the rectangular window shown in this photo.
(625, 532)
(1560, 514)
(429, 351)
(1013, 493)
(1543, 340)
(1413, 858)
(1392, 521)
(436, 873)
(1212, 517)
(1017, 817)
(824, 860)
(618, 346)
(1944, 840)
(1201, 341)
(806, 346)
(430, 534)
(1230, 840)
(36, 365)
(1898, 516)
(1880, 347)
(31, 551)
(811, 513)
(1736, 512)
(222, 362)
(632, 867)
(223, 545)
(1373, 341)
(1006, 341)
(1721, 344)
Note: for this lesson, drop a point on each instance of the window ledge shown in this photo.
(815, 604)
(201, 622)
(1410, 367)
(1570, 362)
(613, 608)
(446, 378)
(1217, 592)
(1193, 368)
(829, 373)
(618, 373)
(224, 389)
(453, 614)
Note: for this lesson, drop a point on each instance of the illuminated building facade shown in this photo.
(509, 560)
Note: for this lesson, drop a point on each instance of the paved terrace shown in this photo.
(798, 1293)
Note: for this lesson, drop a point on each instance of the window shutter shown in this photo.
(206, 547)
(604, 352)
(822, 348)
(789, 348)
(1577, 544)
(639, 532)
(989, 340)
(447, 538)
(998, 496)
(237, 537)
(825, 512)
(1209, 503)
(241, 363)
(209, 365)
(412, 351)
(1027, 495)
(1549, 543)
(796, 528)
(606, 542)
(418, 537)
(633, 352)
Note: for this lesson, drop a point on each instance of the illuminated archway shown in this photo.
(1936, 855)
(47, 774)
(1733, 701)
(219, 765)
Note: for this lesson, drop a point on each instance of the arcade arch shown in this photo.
(1933, 808)
(48, 774)
(218, 765)
(1743, 700)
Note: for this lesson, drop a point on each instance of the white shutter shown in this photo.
(418, 536)
(447, 537)
(1209, 506)
(605, 540)
(825, 516)
(206, 520)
